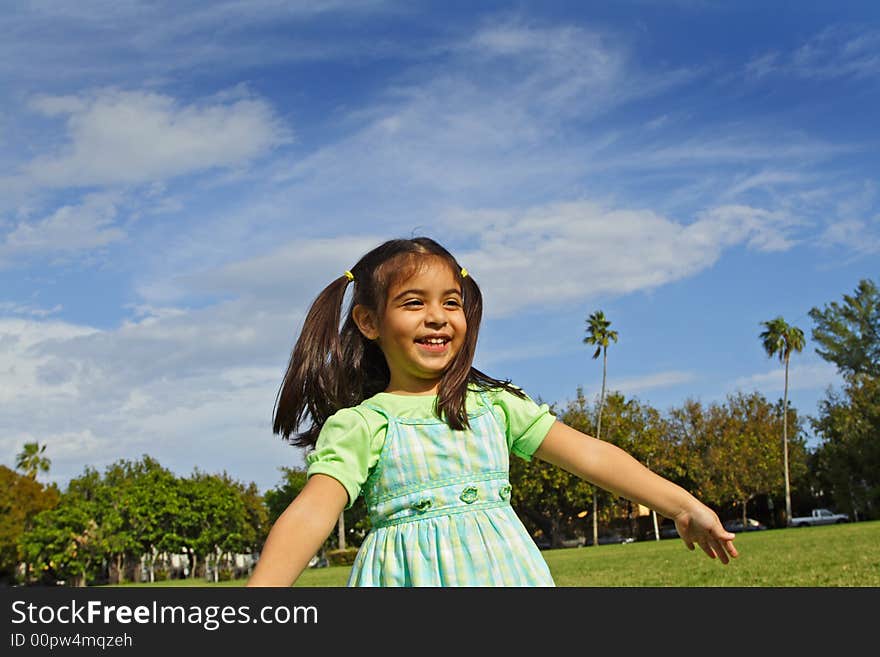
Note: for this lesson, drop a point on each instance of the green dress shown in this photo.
(438, 499)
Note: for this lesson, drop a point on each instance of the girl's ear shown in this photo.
(366, 321)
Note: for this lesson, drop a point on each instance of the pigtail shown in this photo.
(451, 397)
(450, 403)
(315, 383)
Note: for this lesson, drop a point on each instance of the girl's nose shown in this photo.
(436, 315)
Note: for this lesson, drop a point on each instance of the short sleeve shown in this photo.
(527, 423)
(345, 451)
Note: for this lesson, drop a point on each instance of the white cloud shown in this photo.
(490, 120)
(762, 65)
(635, 385)
(808, 376)
(762, 230)
(488, 356)
(294, 272)
(21, 362)
(861, 237)
(185, 387)
(580, 250)
(745, 147)
(124, 137)
(766, 179)
(657, 123)
(14, 308)
(68, 229)
(836, 52)
(284, 279)
(93, 40)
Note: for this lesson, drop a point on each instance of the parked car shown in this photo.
(819, 517)
(318, 561)
(736, 526)
(543, 542)
(610, 539)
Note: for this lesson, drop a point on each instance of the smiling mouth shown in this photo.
(434, 344)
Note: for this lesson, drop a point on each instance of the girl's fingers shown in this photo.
(707, 548)
(724, 546)
(731, 549)
(721, 552)
(715, 541)
(724, 550)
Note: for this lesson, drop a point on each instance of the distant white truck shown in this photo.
(819, 517)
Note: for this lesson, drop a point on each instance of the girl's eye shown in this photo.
(453, 302)
(413, 303)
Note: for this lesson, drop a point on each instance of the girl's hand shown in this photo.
(700, 524)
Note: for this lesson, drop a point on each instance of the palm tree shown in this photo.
(781, 338)
(30, 460)
(599, 334)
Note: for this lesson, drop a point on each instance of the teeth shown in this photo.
(435, 340)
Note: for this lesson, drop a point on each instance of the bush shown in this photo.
(341, 557)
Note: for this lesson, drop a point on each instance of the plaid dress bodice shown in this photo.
(439, 506)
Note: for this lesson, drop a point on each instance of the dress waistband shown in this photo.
(486, 492)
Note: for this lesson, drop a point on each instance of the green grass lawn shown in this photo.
(837, 555)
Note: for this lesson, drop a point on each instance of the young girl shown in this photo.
(398, 414)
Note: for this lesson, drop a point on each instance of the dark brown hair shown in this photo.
(332, 368)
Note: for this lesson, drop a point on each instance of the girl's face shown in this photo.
(422, 328)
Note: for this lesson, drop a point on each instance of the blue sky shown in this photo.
(178, 180)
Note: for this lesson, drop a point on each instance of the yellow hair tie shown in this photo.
(349, 275)
(464, 272)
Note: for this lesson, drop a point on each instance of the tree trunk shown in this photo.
(595, 515)
(340, 530)
(785, 446)
(599, 436)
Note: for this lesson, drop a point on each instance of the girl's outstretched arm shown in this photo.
(613, 469)
(299, 532)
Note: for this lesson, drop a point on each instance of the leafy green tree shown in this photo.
(140, 508)
(64, 543)
(294, 480)
(213, 518)
(686, 438)
(256, 525)
(600, 334)
(741, 459)
(546, 498)
(637, 428)
(848, 458)
(105, 498)
(780, 338)
(30, 460)
(136, 511)
(21, 499)
(849, 332)
(279, 498)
